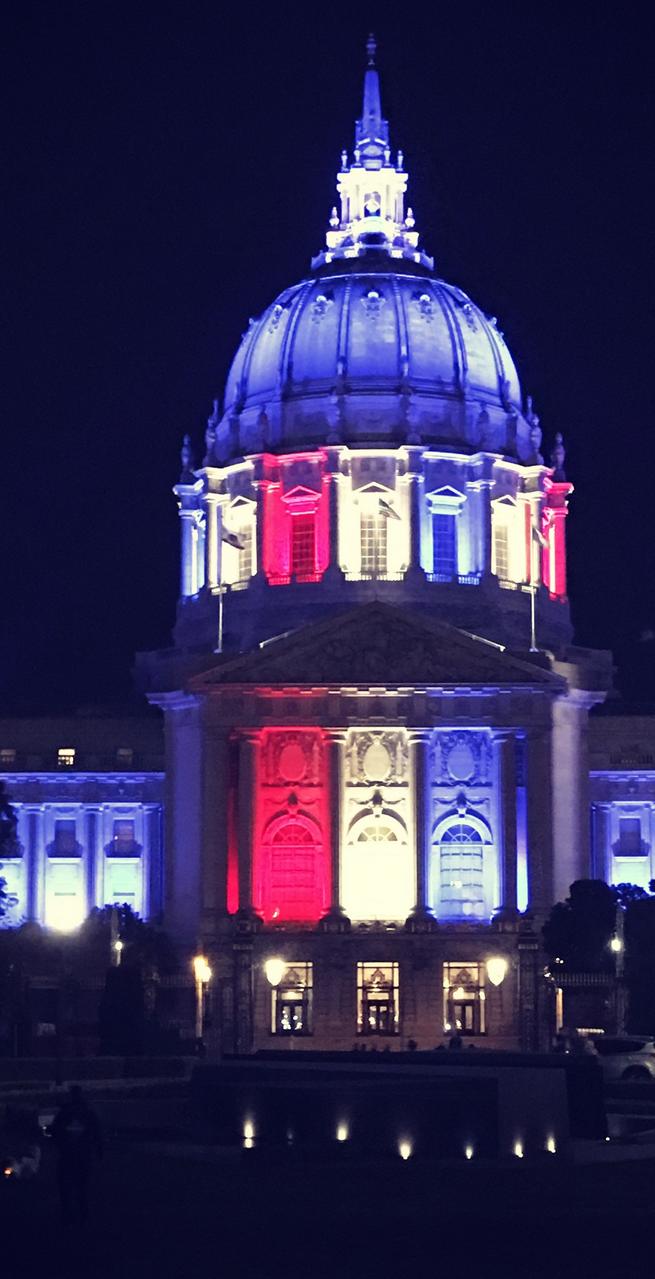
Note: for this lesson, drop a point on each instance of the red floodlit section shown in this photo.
(554, 532)
(296, 534)
(232, 842)
(291, 864)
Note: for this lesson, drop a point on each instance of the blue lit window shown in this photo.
(444, 544)
(461, 873)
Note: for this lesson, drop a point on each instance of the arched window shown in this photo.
(458, 887)
(377, 874)
(293, 879)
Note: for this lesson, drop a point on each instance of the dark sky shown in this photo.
(171, 167)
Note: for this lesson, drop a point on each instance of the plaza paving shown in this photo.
(166, 1206)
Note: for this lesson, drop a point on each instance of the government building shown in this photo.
(372, 768)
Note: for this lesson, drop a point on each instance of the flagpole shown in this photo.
(220, 620)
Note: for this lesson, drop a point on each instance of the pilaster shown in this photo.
(539, 819)
(421, 918)
(247, 779)
(214, 827)
(335, 920)
(504, 746)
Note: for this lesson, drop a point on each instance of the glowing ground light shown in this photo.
(248, 1134)
(468, 1152)
(342, 1132)
(518, 1149)
(551, 1146)
(404, 1149)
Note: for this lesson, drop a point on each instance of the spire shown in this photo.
(371, 129)
(372, 189)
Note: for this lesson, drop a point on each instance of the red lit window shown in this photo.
(293, 882)
(303, 548)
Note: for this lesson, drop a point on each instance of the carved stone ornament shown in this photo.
(291, 758)
(320, 306)
(461, 759)
(372, 302)
(377, 757)
(469, 316)
(424, 304)
(276, 316)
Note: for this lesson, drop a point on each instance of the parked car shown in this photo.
(625, 1057)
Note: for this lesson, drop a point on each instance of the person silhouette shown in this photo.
(77, 1136)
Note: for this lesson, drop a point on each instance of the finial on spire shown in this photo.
(558, 457)
(535, 432)
(186, 458)
(371, 49)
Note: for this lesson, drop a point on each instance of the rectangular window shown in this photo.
(125, 757)
(123, 885)
(303, 545)
(244, 533)
(444, 545)
(463, 999)
(64, 907)
(373, 544)
(66, 757)
(7, 758)
(501, 550)
(65, 840)
(123, 842)
(292, 1001)
(378, 1011)
(630, 844)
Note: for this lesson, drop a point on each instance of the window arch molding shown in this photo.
(292, 877)
(461, 867)
(378, 871)
(383, 817)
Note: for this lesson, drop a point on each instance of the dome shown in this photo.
(376, 355)
(372, 347)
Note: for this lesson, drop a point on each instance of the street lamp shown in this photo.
(118, 951)
(616, 945)
(203, 975)
(497, 970)
(275, 969)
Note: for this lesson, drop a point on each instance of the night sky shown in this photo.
(171, 167)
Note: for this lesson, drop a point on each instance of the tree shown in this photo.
(9, 846)
(578, 932)
(640, 964)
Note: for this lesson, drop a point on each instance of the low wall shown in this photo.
(436, 1104)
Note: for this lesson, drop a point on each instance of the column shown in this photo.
(504, 745)
(215, 802)
(35, 869)
(248, 745)
(334, 521)
(213, 531)
(539, 819)
(260, 487)
(334, 748)
(93, 855)
(558, 558)
(415, 504)
(570, 762)
(153, 869)
(419, 756)
(601, 867)
(482, 489)
(187, 552)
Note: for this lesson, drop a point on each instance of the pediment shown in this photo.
(377, 644)
(300, 493)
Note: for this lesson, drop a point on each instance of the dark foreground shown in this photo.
(161, 1208)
